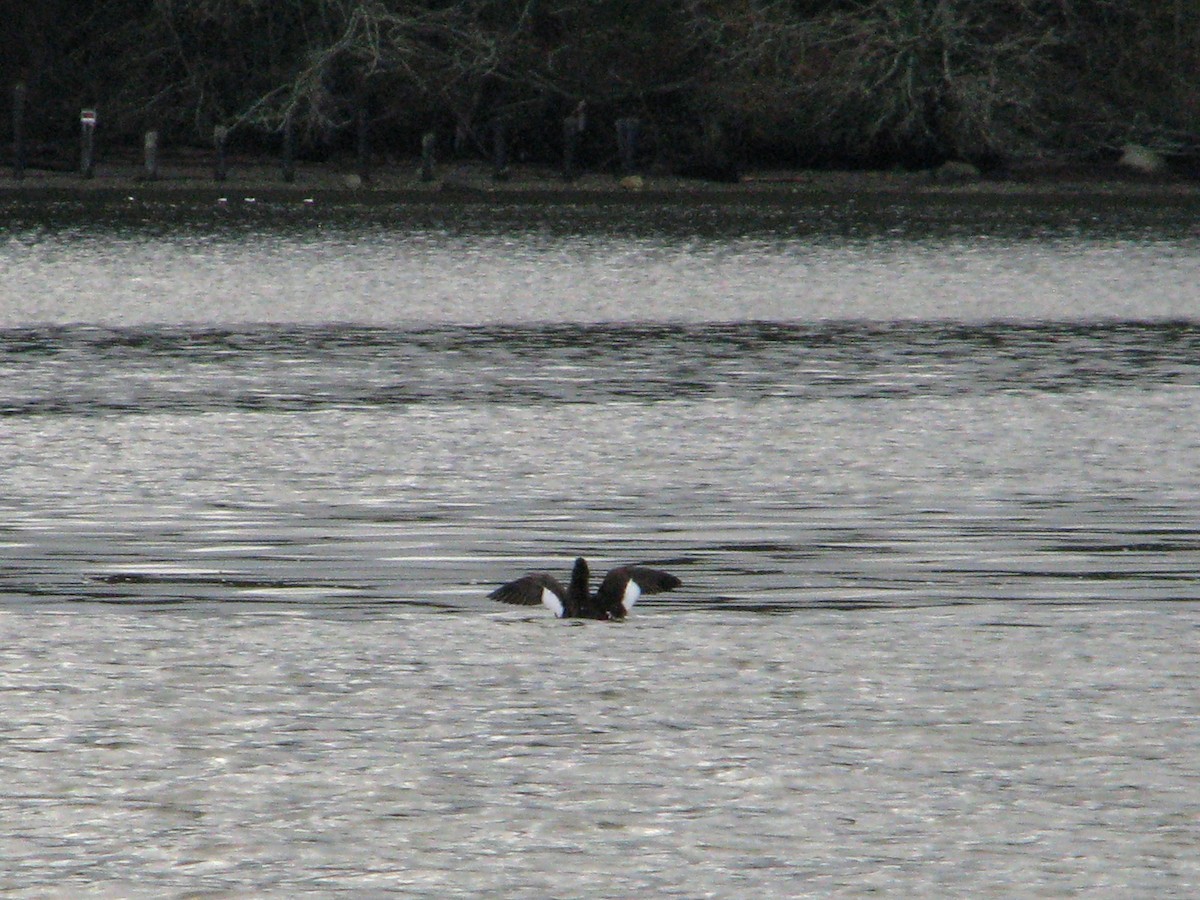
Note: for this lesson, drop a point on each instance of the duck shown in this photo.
(619, 590)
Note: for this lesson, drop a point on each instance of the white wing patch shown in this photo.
(632, 592)
(551, 602)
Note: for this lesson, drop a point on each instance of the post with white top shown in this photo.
(87, 156)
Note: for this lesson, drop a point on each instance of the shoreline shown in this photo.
(459, 182)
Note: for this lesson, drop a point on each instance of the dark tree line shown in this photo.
(798, 81)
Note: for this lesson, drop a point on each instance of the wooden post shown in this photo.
(499, 150)
(19, 95)
(362, 124)
(573, 126)
(289, 149)
(87, 151)
(717, 161)
(220, 139)
(151, 148)
(462, 137)
(628, 131)
(428, 148)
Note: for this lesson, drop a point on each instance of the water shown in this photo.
(928, 474)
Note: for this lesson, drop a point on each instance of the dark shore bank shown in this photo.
(184, 180)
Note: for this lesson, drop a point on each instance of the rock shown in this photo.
(1141, 159)
(954, 171)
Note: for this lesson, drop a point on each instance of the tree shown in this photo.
(811, 80)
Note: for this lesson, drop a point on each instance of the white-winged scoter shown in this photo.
(618, 591)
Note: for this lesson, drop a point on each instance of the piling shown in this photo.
(220, 141)
(87, 150)
(428, 149)
(500, 170)
(151, 150)
(19, 95)
(628, 131)
(363, 141)
(573, 126)
(289, 150)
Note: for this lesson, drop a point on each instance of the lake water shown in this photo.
(928, 470)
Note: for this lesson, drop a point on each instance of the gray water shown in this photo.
(927, 471)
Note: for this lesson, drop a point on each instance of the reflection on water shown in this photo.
(90, 371)
(130, 265)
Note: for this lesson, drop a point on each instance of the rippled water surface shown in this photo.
(928, 473)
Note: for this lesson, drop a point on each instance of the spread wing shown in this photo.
(622, 587)
(532, 589)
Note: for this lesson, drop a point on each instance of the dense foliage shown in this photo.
(802, 81)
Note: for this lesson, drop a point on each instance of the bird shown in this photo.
(619, 590)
